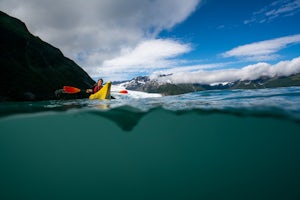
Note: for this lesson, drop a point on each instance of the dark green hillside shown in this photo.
(32, 69)
(266, 82)
(293, 80)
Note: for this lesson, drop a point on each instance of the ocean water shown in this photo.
(230, 144)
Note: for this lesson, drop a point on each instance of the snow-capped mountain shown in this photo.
(145, 84)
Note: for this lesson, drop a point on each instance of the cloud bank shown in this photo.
(263, 50)
(250, 72)
(94, 32)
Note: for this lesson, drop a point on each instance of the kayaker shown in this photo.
(97, 87)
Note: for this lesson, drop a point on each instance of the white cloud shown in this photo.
(276, 9)
(250, 72)
(150, 53)
(264, 50)
(94, 31)
(147, 56)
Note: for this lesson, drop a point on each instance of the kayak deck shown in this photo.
(102, 94)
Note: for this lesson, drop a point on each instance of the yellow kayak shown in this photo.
(104, 93)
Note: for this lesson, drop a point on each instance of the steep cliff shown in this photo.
(32, 69)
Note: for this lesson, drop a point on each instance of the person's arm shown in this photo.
(89, 91)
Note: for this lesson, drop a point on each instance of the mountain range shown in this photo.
(145, 84)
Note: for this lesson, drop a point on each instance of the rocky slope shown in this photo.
(32, 69)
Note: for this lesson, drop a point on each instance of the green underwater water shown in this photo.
(159, 154)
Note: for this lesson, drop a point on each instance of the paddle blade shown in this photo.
(71, 90)
(123, 91)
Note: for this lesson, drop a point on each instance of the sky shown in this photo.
(192, 41)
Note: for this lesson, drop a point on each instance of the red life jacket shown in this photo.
(97, 88)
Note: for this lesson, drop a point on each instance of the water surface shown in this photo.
(233, 144)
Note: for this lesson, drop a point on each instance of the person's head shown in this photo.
(100, 81)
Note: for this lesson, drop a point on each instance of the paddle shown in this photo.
(123, 91)
(71, 90)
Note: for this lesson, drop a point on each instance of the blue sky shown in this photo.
(219, 26)
(197, 41)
